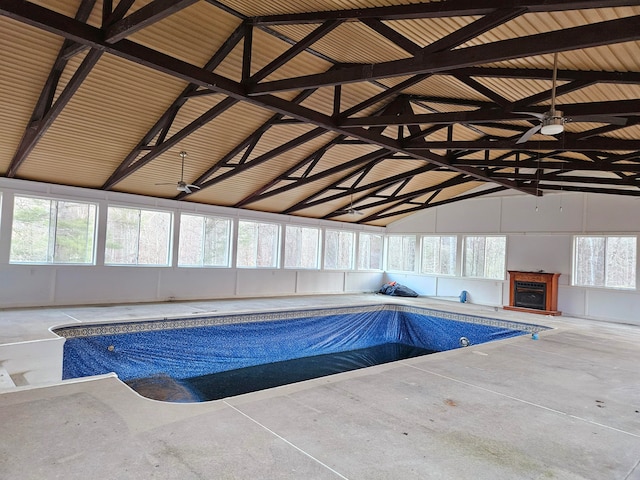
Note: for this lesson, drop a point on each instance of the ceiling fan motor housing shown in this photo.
(553, 123)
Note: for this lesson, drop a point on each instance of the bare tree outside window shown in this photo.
(258, 244)
(204, 241)
(52, 231)
(605, 261)
(439, 255)
(484, 256)
(137, 237)
(370, 246)
(339, 250)
(302, 247)
(401, 253)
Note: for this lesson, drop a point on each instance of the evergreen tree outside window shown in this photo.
(302, 247)
(137, 237)
(52, 231)
(604, 261)
(204, 241)
(370, 247)
(258, 245)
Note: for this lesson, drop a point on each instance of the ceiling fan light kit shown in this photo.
(553, 124)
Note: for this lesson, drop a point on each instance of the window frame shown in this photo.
(229, 240)
(276, 250)
(352, 250)
(359, 251)
(318, 247)
(53, 230)
(415, 253)
(454, 268)
(605, 256)
(484, 276)
(140, 209)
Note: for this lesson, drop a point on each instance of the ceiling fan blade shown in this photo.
(529, 133)
(541, 116)
(599, 119)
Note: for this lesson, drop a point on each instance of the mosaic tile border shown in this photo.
(117, 328)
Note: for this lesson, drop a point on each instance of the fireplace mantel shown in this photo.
(533, 292)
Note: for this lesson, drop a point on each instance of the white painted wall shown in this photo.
(537, 239)
(49, 285)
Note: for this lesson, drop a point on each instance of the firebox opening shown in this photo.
(530, 295)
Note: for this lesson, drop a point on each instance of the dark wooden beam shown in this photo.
(229, 156)
(392, 35)
(259, 194)
(69, 28)
(177, 137)
(407, 211)
(450, 8)
(299, 47)
(393, 201)
(590, 144)
(586, 189)
(290, 145)
(166, 119)
(149, 14)
(310, 202)
(585, 36)
(39, 126)
(556, 165)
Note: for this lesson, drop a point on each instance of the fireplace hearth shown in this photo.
(533, 292)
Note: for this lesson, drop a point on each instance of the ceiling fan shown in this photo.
(181, 185)
(351, 210)
(552, 122)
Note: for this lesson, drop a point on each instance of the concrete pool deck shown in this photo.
(566, 406)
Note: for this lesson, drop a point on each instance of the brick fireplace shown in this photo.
(533, 292)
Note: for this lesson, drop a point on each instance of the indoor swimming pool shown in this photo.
(212, 357)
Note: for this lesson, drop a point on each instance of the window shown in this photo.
(137, 237)
(484, 257)
(605, 261)
(370, 251)
(439, 255)
(401, 253)
(338, 252)
(258, 244)
(204, 241)
(302, 247)
(52, 231)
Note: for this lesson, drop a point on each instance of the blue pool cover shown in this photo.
(194, 351)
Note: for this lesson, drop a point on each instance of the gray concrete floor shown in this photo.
(566, 406)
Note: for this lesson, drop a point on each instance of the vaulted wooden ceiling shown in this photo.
(308, 108)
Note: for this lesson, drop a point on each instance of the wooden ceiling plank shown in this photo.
(166, 119)
(584, 36)
(228, 157)
(148, 15)
(290, 145)
(177, 137)
(432, 205)
(39, 127)
(392, 35)
(311, 159)
(451, 8)
(590, 144)
(395, 201)
(294, 50)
